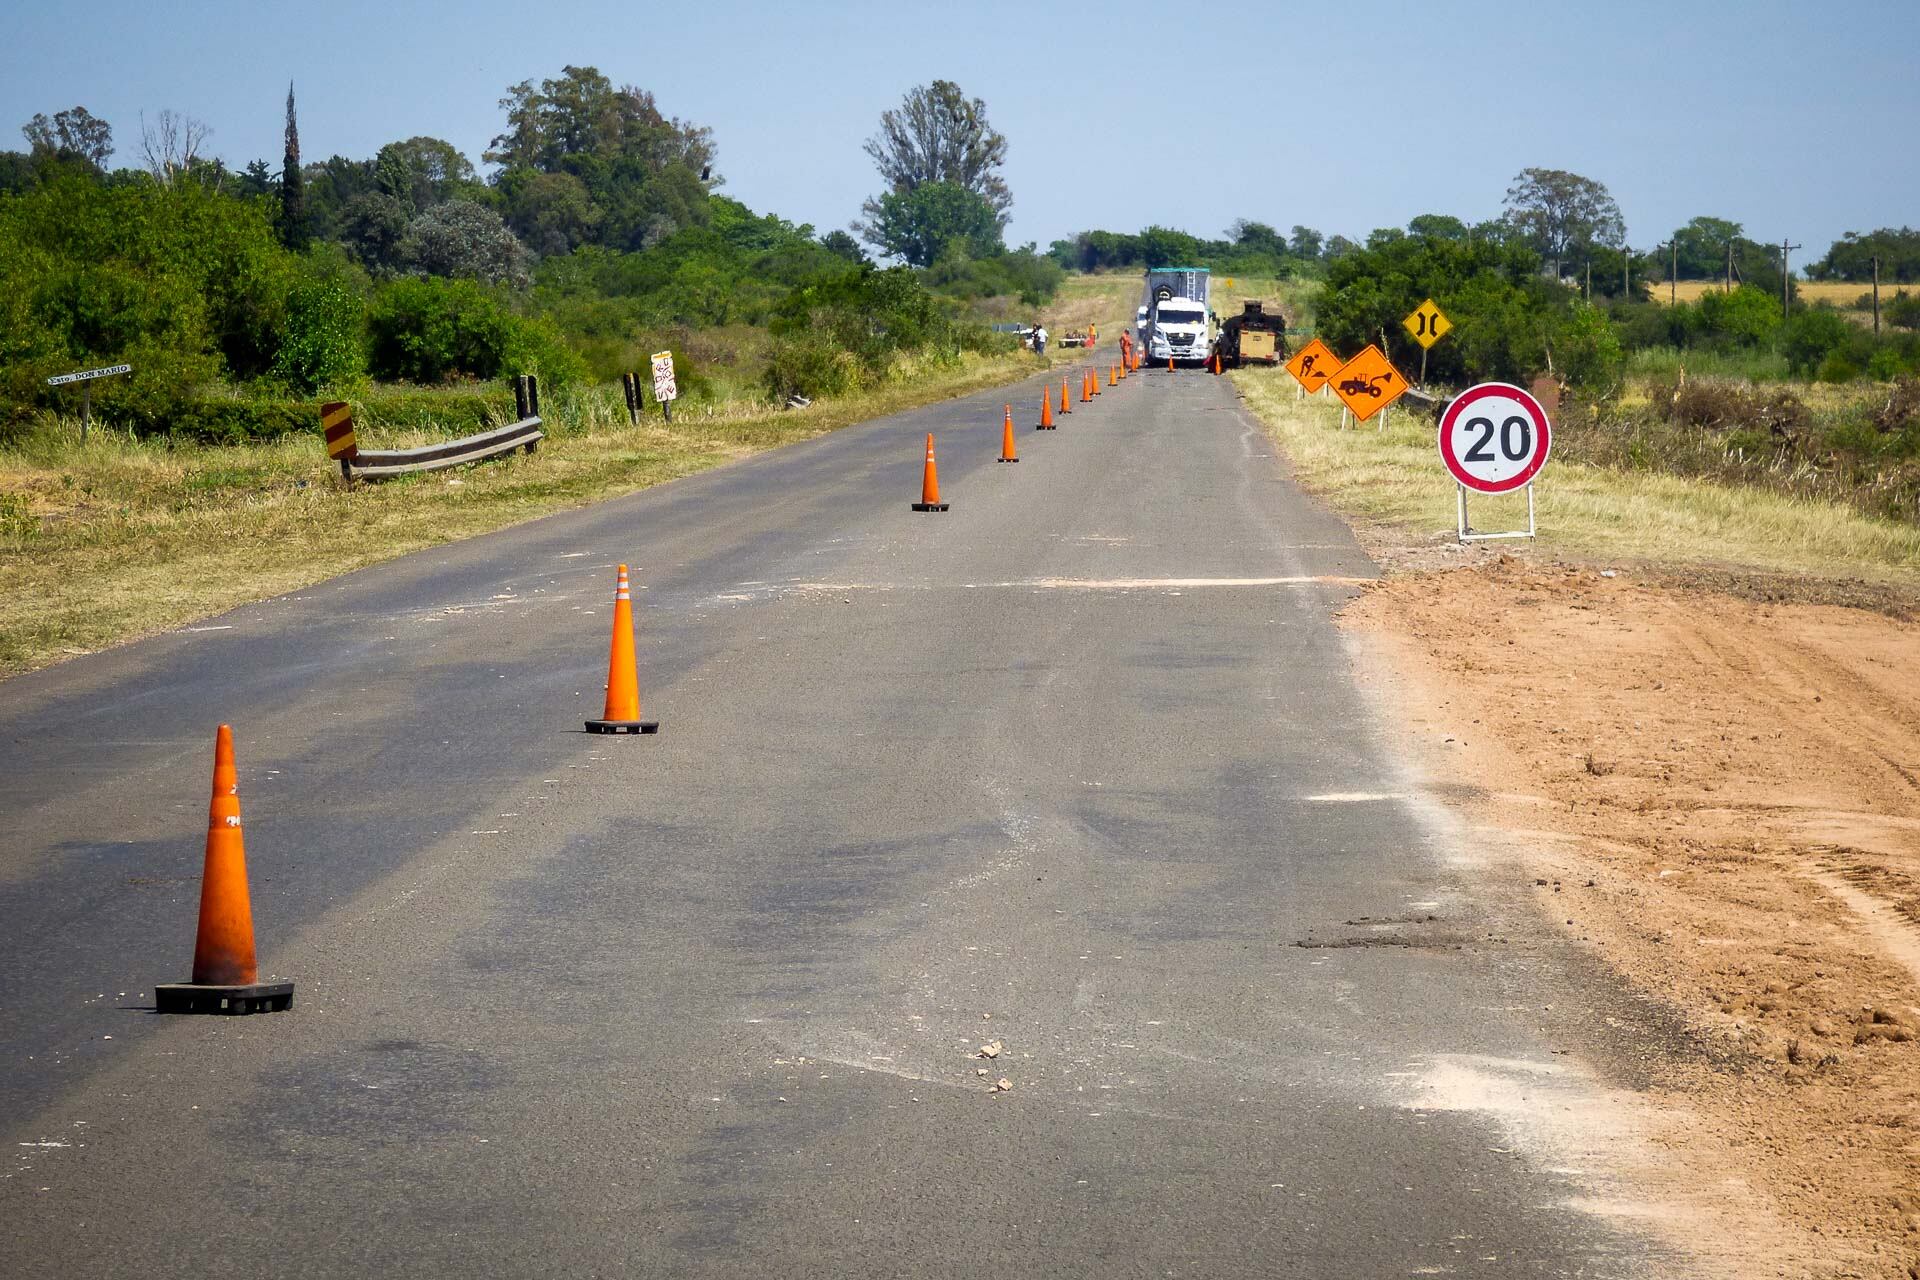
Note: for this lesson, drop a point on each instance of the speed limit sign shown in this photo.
(1495, 437)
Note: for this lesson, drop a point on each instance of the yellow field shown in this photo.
(1838, 293)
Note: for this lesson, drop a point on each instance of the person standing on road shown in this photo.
(1093, 334)
(1039, 339)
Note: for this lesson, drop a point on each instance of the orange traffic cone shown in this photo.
(1066, 403)
(1093, 378)
(1086, 388)
(930, 484)
(1006, 439)
(226, 978)
(1169, 364)
(622, 713)
(1113, 375)
(1046, 411)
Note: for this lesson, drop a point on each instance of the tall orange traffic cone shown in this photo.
(930, 484)
(622, 713)
(1086, 388)
(1046, 409)
(226, 978)
(1093, 380)
(1113, 375)
(1066, 404)
(1006, 439)
(1169, 364)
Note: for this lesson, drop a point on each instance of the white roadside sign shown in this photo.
(87, 374)
(663, 388)
(1495, 437)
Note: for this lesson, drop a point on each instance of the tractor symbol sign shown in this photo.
(1368, 383)
(1428, 324)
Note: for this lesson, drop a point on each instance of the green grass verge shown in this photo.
(118, 537)
(1395, 480)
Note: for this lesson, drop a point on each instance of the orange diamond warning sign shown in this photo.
(1312, 365)
(1368, 383)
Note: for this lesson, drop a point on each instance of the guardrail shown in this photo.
(336, 422)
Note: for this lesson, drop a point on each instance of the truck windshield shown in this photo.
(1179, 317)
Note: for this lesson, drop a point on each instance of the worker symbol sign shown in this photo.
(1312, 365)
(1428, 324)
(1495, 437)
(1368, 383)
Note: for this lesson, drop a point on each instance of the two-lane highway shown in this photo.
(1078, 767)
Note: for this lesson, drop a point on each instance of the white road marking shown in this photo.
(1354, 797)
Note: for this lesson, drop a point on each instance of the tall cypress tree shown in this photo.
(293, 186)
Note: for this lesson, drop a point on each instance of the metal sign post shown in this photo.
(1466, 530)
(1494, 438)
(85, 378)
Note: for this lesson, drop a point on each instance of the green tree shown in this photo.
(1305, 242)
(293, 187)
(372, 227)
(923, 225)
(939, 135)
(1437, 224)
(1165, 247)
(1701, 248)
(1851, 257)
(464, 240)
(842, 245)
(422, 172)
(1562, 214)
(76, 133)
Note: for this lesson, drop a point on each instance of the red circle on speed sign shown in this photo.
(1495, 437)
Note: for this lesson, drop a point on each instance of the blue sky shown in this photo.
(1795, 119)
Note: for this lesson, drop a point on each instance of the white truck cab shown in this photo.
(1173, 320)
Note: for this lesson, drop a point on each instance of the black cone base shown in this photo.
(1046, 426)
(195, 997)
(929, 506)
(623, 726)
(1009, 459)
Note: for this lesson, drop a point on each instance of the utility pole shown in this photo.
(1875, 260)
(1673, 273)
(1729, 266)
(1626, 275)
(1786, 294)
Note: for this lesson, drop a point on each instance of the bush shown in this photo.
(1746, 317)
(1814, 335)
(433, 330)
(810, 365)
(323, 348)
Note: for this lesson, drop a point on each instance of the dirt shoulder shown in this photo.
(1718, 788)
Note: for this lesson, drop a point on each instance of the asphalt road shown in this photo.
(1079, 766)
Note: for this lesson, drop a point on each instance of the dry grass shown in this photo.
(117, 538)
(1394, 478)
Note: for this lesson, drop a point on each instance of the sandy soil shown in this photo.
(1720, 793)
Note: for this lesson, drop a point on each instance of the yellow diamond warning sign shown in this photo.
(1368, 383)
(1428, 324)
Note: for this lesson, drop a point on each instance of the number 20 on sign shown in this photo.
(1494, 438)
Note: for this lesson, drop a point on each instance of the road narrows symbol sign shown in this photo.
(1495, 437)
(1368, 383)
(1428, 324)
(1312, 365)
